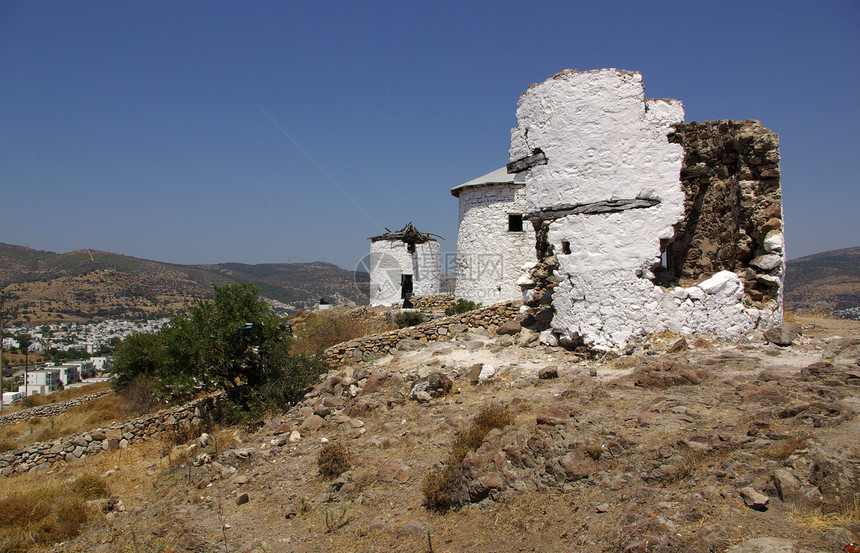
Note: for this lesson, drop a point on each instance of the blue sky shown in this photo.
(207, 132)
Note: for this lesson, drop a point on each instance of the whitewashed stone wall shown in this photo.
(489, 256)
(389, 259)
(426, 269)
(606, 144)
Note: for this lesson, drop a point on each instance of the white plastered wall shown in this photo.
(604, 141)
(390, 259)
(426, 268)
(489, 256)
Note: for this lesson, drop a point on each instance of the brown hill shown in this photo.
(827, 281)
(85, 285)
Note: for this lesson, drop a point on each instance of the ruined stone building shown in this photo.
(493, 242)
(402, 264)
(643, 223)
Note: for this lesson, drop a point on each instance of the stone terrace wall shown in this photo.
(433, 302)
(51, 410)
(194, 415)
(489, 318)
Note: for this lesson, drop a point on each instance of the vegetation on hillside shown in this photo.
(317, 331)
(233, 343)
(46, 516)
(88, 285)
(461, 306)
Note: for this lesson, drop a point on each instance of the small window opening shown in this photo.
(515, 222)
(565, 247)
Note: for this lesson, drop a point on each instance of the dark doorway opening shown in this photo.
(405, 286)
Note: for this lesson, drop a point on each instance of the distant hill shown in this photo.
(827, 281)
(85, 285)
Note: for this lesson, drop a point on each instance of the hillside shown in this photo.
(827, 281)
(700, 447)
(85, 285)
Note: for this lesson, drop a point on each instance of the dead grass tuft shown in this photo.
(326, 328)
(445, 488)
(334, 459)
(786, 448)
(90, 486)
(692, 461)
(471, 437)
(815, 519)
(47, 515)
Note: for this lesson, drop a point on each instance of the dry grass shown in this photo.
(333, 460)
(92, 414)
(815, 519)
(446, 487)
(326, 328)
(47, 515)
(57, 397)
(786, 448)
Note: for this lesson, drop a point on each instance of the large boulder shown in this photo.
(433, 385)
(783, 335)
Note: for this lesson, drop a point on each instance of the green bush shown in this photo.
(461, 306)
(408, 318)
(233, 343)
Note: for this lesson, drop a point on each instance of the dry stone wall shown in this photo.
(733, 207)
(192, 416)
(51, 410)
(489, 318)
(433, 302)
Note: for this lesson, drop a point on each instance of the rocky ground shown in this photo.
(678, 445)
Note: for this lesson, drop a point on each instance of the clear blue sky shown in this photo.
(206, 132)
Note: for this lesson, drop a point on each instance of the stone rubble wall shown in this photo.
(733, 207)
(489, 318)
(433, 302)
(51, 410)
(192, 416)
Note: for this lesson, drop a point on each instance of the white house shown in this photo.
(403, 264)
(43, 381)
(493, 241)
(11, 397)
(84, 369)
(99, 363)
(68, 374)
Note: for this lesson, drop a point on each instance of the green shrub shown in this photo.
(334, 459)
(408, 318)
(461, 306)
(233, 343)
